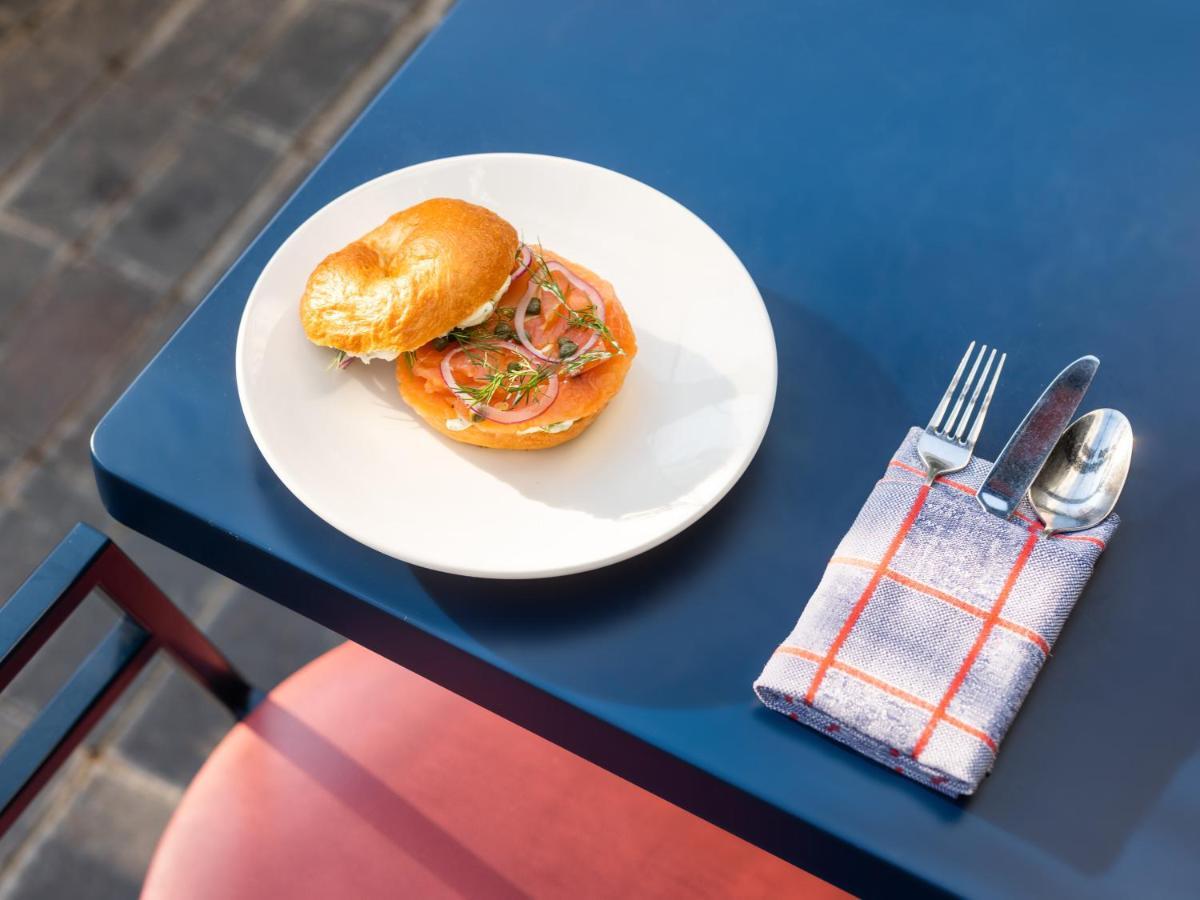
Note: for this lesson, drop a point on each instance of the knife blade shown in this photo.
(1026, 451)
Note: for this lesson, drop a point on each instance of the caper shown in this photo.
(476, 417)
(439, 343)
(505, 331)
(566, 347)
(514, 367)
(534, 308)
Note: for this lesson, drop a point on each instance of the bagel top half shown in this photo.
(414, 278)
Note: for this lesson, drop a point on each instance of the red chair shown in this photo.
(357, 778)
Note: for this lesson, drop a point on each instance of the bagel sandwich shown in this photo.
(497, 343)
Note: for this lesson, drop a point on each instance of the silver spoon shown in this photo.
(1082, 479)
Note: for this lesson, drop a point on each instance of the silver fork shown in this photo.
(942, 447)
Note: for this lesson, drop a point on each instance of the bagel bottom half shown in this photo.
(581, 398)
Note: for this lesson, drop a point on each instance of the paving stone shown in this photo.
(306, 67)
(156, 330)
(62, 493)
(72, 49)
(105, 29)
(175, 221)
(118, 818)
(23, 544)
(63, 489)
(177, 731)
(29, 821)
(26, 536)
(37, 83)
(23, 264)
(62, 871)
(55, 347)
(195, 59)
(19, 9)
(63, 479)
(95, 159)
(267, 642)
(11, 448)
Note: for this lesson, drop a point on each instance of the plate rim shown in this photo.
(698, 512)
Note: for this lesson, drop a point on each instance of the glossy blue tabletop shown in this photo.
(899, 179)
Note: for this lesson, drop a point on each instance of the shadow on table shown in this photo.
(881, 777)
(1088, 730)
(688, 629)
(691, 622)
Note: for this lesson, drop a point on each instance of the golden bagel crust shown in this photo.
(590, 393)
(410, 280)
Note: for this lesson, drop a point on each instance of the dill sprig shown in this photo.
(587, 318)
(523, 379)
(576, 318)
(544, 278)
(483, 393)
(474, 343)
(518, 382)
(574, 366)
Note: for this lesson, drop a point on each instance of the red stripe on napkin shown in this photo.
(967, 489)
(887, 688)
(920, 587)
(986, 629)
(865, 597)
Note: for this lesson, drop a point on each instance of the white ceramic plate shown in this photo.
(681, 432)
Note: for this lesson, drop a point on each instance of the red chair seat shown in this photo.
(357, 778)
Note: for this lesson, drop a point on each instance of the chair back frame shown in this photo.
(84, 561)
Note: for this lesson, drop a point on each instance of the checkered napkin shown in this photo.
(929, 626)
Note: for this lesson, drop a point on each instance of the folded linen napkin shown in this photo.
(930, 624)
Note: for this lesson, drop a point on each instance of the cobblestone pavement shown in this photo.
(142, 145)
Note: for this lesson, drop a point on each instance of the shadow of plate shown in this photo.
(691, 622)
(673, 425)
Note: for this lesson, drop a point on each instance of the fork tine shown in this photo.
(987, 399)
(963, 394)
(941, 407)
(966, 416)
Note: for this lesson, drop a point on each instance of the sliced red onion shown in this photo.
(504, 416)
(532, 289)
(525, 259)
(593, 294)
(519, 322)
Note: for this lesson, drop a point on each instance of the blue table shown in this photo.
(899, 179)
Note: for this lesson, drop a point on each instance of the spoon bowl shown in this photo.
(1083, 477)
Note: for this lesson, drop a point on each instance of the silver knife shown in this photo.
(1026, 451)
